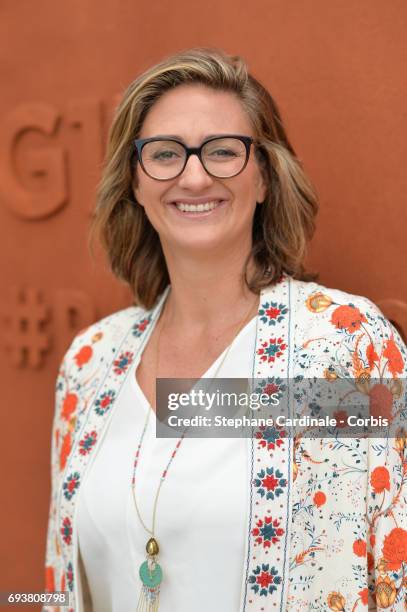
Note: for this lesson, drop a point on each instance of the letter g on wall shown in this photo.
(33, 182)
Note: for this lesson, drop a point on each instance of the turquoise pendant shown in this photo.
(151, 574)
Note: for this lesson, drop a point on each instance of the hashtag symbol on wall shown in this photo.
(25, 337)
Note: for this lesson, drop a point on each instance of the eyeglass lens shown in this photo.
(221, 157)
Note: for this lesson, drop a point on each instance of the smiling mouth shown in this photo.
(202, 207)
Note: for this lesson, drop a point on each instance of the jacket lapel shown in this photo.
(265, 575)
(91, 426)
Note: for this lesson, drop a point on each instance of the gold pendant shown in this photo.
(151, 575)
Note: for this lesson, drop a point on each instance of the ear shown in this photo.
(136, 193)
(261, 189)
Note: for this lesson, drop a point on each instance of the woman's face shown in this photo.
(193, 113)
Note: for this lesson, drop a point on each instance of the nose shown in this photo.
(194, 176)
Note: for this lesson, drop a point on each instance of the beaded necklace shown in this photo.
(150, 572)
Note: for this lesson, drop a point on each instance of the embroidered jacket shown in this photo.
(327, 520)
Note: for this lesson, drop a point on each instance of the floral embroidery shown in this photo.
(395, 548)
(271, 386)
(87, 443)
(336, 601)
(66, 531)
(318, 302)
(71, 484)
(69, 406)
(385, 592)
(319, 499)
(364, 596)
(122, 363)
(104, 402)
(272, 312)
(395, 361)
(69, 576)
(83, 356)
(380, 479)
(49, 579)
(381, 401)
(65, 450)
(267, 531)
(269, 437)
(359, 548)
(140, 327)
(271, 349)
(270, 483)
(264, 579)
(348, 318)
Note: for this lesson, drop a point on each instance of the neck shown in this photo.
(208, 292)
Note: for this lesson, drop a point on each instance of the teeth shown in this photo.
(197, 207)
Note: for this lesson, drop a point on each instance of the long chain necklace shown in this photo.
(150, 571)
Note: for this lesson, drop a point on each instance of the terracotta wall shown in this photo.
(337, 70)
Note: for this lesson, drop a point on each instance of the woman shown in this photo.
(205, 211)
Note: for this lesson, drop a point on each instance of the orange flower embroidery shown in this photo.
(65, 450)
(359, 548)
(318, 302)
(83, 356)
(385, 592)
(371, 355)
(69, 405)
(381, 402)
(348, 317)
(364, 596)
(336, 601)
(395, 361)
(380, 479)
(49, 579)
(370, 562)
(319, 498)
(395, 548)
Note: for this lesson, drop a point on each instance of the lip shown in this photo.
(196, 200)
(194, 215)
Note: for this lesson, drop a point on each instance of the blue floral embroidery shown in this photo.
(140, 326)
(87, 443)
(69, 576)
(272, 313)
(270, 483)
(264, 579)
(271, 349)
(66, 530)
(71, 485)
(269, 437)
(272, 385)
(104, 402)
(121, 364)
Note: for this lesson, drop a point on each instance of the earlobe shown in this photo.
(261, 190)
(136, 194)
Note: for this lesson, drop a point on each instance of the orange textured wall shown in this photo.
(337, 70)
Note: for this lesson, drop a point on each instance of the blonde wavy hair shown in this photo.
(282, 225)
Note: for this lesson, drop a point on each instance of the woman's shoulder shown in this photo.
(317, 304)
(349, 326)
(105, 334)
(317, 297)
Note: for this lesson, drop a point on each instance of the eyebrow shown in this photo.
(178, 137)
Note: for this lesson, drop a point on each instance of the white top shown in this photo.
(201, 512)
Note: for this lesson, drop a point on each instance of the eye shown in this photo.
(164, 155)
(223, 153)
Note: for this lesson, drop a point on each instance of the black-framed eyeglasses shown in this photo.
(164, 159)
